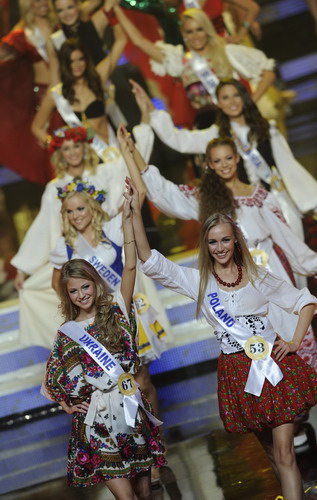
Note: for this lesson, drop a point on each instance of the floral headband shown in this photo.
(76, 134)
(81, 187)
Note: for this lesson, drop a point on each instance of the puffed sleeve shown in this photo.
(113, 229)
(173, 60)
(249, 62)
(283, 294)
(295, 176)
(111, 178)
(181, 279)
(302, 259)
(182, 140)
(173, 200)
(42, 235)
(58, 256)
(144, 139)
(55, 375)
(125, 319)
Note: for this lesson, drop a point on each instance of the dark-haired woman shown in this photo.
(79, 98)
(266, 155)
(270, 239)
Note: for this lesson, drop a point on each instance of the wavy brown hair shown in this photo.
(68, 79)
(241, 254)
(259, 126)
(214, 195)
(99, 216)
(216, 43)
(105, 321)
(90, 161)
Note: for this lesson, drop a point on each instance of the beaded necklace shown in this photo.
(230, 285)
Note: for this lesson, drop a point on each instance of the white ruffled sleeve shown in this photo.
(249, 62)
(144, 139)
(173, 60)
(113, 229)
(283, 294)
(301, 258)
(300, 184)
(42, 235)
(181, 279)
(173, 200)
(182, 140)
(59, 256)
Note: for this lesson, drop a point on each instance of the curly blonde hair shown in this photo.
(90, 161)
(220, 61)
(99, 216)
(27, 17)
(241, 254)
(105, 320)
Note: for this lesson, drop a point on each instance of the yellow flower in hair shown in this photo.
(71, 187)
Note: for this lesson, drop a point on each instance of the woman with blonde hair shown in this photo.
(119, 445)
(207, 60)
(234, 296)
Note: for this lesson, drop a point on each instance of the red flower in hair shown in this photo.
(76, 134)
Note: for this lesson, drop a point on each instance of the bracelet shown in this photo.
(112, 18)
(128, 242)
(246, 25)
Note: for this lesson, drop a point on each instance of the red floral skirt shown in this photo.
(243, 412)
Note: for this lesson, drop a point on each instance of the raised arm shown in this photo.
(108, 64)
(267, 79)
(133, 160)
(42, 118)
(129, 271)
(182, 140)
(87, 9)
(251, 10)
(137, 38)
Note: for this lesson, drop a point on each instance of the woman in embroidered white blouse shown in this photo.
(234, 295)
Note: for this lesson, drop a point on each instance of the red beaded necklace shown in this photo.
(230, 285)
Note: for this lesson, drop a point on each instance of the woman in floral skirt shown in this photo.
(114, 436)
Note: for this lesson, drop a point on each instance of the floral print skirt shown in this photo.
(102, 459)
(243, 412)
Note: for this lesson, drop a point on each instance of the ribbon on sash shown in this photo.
(96, 259)
(105, 152)
(58, 38)
(207, 77)
(260, 369)
(109, 364)
(37, 39)
(252, 155)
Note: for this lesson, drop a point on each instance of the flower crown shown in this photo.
(76, 134)
(80, 186)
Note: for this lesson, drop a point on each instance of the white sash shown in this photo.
(252, 155)
(58, 38)
(37, 39)
(207, 77)
(260, 369)
(192, 4)
(96, 258)
(110, 366)
(105, 152)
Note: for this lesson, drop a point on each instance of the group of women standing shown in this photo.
(85, 239)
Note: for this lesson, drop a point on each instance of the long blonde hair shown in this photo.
(27, 17)
(241, 254)
(220, 61)
(105, 320)
(90, 161)
(99, 216)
